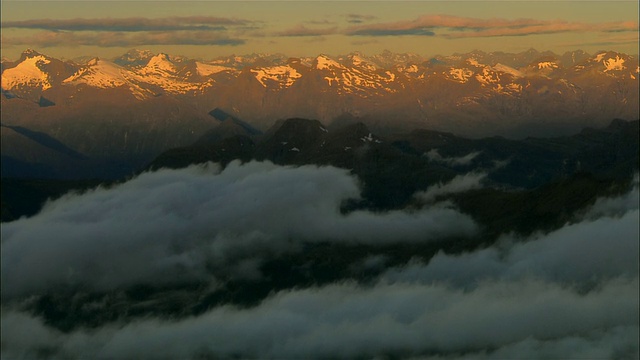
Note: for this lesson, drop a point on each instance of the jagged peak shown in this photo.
(162, 62)
(323, 61)
(30, 53)
(141, 53)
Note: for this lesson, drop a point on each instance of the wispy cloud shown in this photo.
(121, 39)
(127, 32)
(358, 18)
(133, 24)
(606, 39)
(458, 184)
(434, 155)
(460, 27)
(301, 30)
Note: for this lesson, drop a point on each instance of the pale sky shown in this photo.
(207, 29)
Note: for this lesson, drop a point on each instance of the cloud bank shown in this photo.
(346, 321)
(170, 226)
(569, 293)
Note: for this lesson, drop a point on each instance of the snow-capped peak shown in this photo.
(30, 53)
(205, 69)
(160, 62)
(325, 62)
(99, 73)
(359, 61)
(285, 75)
(27, 73)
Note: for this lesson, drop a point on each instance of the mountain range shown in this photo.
(392, 168)
(104, 118)
(387, 206)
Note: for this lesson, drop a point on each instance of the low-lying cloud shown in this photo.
(460, 183)
(346, 321)
(568, 293)
(169, 226)
(585, 253)
(434, 155)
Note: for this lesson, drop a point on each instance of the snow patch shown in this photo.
(285, 76)
(614, 64)
(600, 56)
(325, 63)
(547, 65)
(208, 69)
(368, 138)
(461, 75)
(474, 62)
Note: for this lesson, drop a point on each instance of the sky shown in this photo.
(209, 29)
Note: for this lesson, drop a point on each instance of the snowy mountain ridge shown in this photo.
(351, 74)
(476, 87)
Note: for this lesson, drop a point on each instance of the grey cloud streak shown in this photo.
(133, 24)
(462, 27)
(122, 39)
(434, 155)
(169, 226)
(301, 30)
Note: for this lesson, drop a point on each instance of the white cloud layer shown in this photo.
(583, 253)
(169, 226)
(570, 293)
(346, 321)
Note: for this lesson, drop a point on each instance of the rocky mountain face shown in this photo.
(127, 110)
(394, 168)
